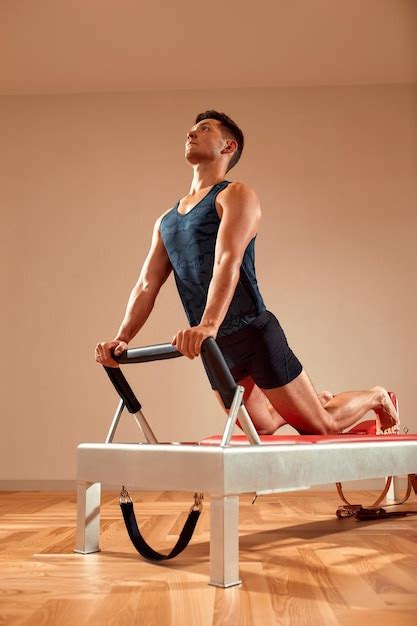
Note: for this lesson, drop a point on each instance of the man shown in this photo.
(208, 239)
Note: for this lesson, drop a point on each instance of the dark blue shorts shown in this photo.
(260, 350)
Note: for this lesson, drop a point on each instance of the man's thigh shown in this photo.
(256, 404)
(299, 405)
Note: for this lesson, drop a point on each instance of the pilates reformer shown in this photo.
(226, 466)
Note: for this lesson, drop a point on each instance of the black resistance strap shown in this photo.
(364, 514)
(138, 541)
(374, 511)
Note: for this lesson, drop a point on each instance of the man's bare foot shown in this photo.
(387, 418)
(324, 397)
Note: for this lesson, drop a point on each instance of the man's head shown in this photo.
(221, 127)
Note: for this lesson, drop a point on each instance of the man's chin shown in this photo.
(192, 159)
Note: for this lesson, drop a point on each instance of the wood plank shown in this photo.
(299, 565)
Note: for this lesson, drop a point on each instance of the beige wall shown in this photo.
(84, 177)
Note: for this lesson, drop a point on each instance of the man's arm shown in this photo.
(155, 271)
(239, 224)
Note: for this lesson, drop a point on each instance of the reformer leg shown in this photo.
(88, 517)
(393, 494)
(224, 541)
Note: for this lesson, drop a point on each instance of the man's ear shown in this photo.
(231, 146)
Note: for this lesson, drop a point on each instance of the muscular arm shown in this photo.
(239, 224)
(154, 273)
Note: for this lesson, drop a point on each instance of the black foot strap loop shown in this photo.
(145, 549)
(364, 514)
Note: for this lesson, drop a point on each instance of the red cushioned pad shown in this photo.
(242, 440)
(273, 440)
(367, 427)
(343, 438)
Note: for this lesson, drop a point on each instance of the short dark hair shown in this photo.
(231, 126)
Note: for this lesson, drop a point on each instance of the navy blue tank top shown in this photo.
(190, 242)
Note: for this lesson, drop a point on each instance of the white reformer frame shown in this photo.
(224, 472)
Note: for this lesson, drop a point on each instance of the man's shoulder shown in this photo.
(238, 186)
(161, 217)
(239, 191)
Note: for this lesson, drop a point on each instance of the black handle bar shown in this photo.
(148, 353)
(210, 353)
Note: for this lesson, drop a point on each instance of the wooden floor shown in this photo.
(299, 565)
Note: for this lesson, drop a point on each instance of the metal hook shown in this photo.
(124, 496)
(198, 502)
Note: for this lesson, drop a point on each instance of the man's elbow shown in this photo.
(231, 257)
(151, 279)
(228, 261)
(149, 285)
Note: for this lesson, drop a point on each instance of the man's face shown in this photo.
(205, 142)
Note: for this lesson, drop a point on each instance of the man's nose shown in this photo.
(191, 134)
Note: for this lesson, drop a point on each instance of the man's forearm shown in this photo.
(139, 307)
(221, 290)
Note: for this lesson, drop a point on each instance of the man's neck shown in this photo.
(206, 176)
